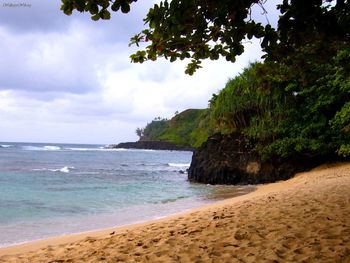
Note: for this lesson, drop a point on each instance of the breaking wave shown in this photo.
(179, 164)
(65, 169)
(41, 148)
(5, 146)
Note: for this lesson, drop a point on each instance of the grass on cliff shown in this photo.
(186, 128)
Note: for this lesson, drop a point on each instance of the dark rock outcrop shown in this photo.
(231, 159)
(151, 145)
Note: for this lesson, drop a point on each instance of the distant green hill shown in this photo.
(189, 127)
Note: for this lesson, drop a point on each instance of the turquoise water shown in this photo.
(55, 189)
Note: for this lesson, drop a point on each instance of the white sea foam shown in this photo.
(179, 164)
(65, 169)
(108, 149)
(80, 149)
(41, 148)
(5, 146)
(96, 149)
(51, 148)
(113, 149)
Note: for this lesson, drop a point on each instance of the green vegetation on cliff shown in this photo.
(186, 128)
(289, 108)
(299, 105)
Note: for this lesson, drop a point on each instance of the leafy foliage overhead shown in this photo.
(202, 29)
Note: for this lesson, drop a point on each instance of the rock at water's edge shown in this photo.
(231, 159)
(151, 145)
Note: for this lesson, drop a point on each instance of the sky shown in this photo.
(68, 79)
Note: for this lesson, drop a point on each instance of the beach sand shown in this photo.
(304, 219)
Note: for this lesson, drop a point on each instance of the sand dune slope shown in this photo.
(305, 219)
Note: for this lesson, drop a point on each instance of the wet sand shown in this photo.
(304, 219)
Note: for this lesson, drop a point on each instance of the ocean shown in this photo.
(57, 189)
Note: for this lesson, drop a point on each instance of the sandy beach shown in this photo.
(304, 219)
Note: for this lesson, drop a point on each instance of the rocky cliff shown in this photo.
(231, 159)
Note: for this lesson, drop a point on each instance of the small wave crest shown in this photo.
(65, 169)
(117, 149)
(41, 148)
(183, 165)
(51, 148)
(79, 149)
(84, 149)
(5, 146)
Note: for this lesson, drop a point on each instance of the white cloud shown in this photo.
(49, 62)
(78, 85)
(126, 98)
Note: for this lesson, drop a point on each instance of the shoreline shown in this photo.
(28, 246)
(267, 224)
(121, 218)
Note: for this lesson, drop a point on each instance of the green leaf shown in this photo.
(105, 14)
(67, 8)
(96, 17)
(80, 5)
(94, 9)
(125, 7)
(115, 6)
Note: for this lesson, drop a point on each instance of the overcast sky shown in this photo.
(69, 79)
